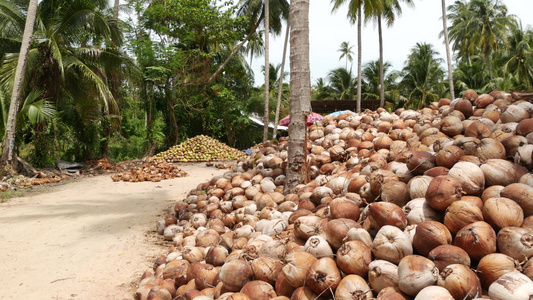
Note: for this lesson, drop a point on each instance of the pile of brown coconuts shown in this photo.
(429, 204)
(154, 172)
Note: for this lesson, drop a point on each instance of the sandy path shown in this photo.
(88, 239)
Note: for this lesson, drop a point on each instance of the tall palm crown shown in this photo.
(342, 83)
(371, 77)
(368, 7)
(388, 10)
(422, 76)
(358, 10)
(518, 59)
(346, 52)
(479, 24)
(254, 10)
(471, 75)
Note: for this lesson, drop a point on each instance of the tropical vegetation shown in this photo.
(97, 85)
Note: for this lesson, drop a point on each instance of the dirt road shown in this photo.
(88, 239)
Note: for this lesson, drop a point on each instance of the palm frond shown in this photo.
(56, 54)
(36, 110)
(87, 73)
(12, 19)
(7, 71)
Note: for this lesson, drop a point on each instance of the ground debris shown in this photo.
(154, 171)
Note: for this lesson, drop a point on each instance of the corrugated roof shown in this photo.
(257, 120)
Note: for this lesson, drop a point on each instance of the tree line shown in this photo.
(130, 80)
(491, 51)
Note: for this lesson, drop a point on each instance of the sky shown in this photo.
(421, 23)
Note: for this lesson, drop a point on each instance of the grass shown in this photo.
(5, 196)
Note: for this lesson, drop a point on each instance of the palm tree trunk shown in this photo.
(115, 9)
(232, 54)
(346, 64)
(266, 118)
(487, 57)
(359, 57)
(173, 137)
(448, 54)
(280, 88)
(381, 68)
(9, 141)
(300, 99)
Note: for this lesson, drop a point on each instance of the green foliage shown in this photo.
(343, 83)
(85, 98)
(479, 27)
(471, 76)
(321, 90)
(518, 58)
(132, 141)
(196, 23)
(71, 57)
(423, 76)
(346, 52)
(5, 196)
(371, 80)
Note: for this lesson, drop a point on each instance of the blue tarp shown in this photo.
(340, 113)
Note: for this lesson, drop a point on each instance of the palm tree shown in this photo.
(493, 24)
(275, 76)
(266, 118)
(322, 90)
(342, 83)
(69, 62)
(355, 13)
(459, 32)
(448, 54)
(388, 10)
(422, 76)
(280, 86)
(518, 58)
(300, 90)
(346, 52)
(9, 140)
(255, 46)
(256, 10)
(372, 78)
(471, 75)
(480, 24)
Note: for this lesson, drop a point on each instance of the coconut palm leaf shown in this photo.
(36, 110)
(346, 52)
(11, 18)
(91, 76)
(479, 25)
(471, 76)
(517, 59)
(504, 83)
(342, 83)
(56, 54)
(7, 71)
(254, 10)
(423, 76)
